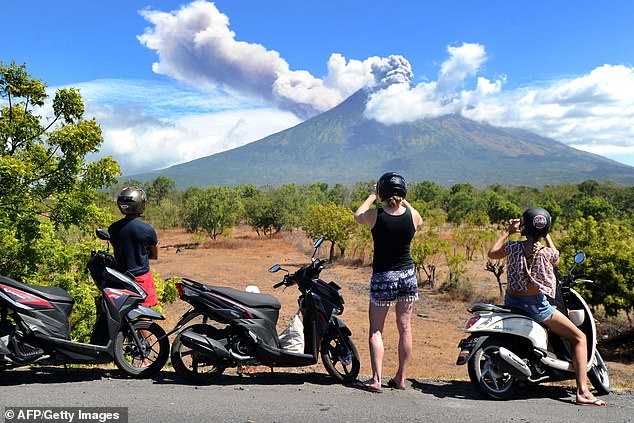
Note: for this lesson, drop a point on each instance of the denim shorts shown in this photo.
(389, 288)
(537, 306)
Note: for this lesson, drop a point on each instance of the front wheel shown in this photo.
(598, 375)
(340, 358)
(150, 357)
(194, 366)
(489, 379)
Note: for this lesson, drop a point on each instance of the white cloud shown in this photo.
(153, 127)
(593, 112)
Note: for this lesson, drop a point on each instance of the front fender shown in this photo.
(144, 312)
(343, 329)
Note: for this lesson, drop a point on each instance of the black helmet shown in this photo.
(535, 222)
(391, 184)
(131, 200)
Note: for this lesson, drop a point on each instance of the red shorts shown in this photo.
(146, 282)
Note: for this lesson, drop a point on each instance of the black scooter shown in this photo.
(201, 352)
(34, 326)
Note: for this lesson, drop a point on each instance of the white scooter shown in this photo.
(506, 347)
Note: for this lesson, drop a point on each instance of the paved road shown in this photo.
(289, 397)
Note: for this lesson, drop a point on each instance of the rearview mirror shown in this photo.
(318, 242)
(274, 268)
(103, 234)
(580, 257)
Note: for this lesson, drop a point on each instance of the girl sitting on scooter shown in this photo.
(530, 277)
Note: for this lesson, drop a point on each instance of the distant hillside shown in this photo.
(341, 146)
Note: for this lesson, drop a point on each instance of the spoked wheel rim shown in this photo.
(340, 358)
(147, 359)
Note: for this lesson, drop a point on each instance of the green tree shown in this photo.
(160, 188)
(212, 209)
(610, 262)
(44, 177)
(262, 215)
(462, 200)
(331, 221)
(424, 249)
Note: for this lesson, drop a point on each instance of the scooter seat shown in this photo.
(248, 298)
(515, 310)
(51, 293)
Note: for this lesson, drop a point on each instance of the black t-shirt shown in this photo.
(392, 237)
(131, 239)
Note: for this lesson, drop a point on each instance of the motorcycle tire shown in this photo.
(598, 375)
(340, 352)
(191, 365)
(151, 358)
(487, 378)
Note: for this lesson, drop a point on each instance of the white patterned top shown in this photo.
(541, 272)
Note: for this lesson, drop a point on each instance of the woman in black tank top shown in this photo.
(393, 279)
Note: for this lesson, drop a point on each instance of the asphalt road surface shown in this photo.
(290, 397)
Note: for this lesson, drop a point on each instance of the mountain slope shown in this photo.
(341, 146)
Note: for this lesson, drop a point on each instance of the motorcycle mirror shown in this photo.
(318, 242)
(580, 257)
(274, 268)
(103, 234)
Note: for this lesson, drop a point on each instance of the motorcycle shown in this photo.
(506, 347)
(201, 352)
(34, 323)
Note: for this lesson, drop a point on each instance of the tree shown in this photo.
(262, 215)
(331, 221)
(497, 268)
(610, 262)
(212, 209)
(44, 177)
(160, 188)
(425, 247)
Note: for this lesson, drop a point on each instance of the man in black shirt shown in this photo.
(135, 242)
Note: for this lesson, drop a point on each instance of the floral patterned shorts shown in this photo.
(389, 288)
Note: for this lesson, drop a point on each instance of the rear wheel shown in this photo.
(191, 365)
(147, 360)
(598, 375)
(489, 379)
(340, 358)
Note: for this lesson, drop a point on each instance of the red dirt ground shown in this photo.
(243, 258)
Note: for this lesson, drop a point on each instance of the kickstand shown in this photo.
(272, 372)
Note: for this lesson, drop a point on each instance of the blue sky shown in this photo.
(171, 81)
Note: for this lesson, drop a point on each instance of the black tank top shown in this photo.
(392, 237)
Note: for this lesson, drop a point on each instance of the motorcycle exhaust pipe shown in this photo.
(512, 363)
(204, 344)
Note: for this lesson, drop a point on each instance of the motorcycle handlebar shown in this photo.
(316, 266)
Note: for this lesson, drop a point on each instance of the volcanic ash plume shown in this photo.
(394, 69)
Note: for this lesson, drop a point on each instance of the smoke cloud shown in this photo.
(196, 47)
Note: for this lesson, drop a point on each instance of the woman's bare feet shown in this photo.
(586, 398)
